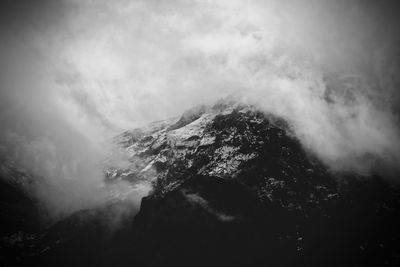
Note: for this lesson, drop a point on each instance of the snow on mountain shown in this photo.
(230, 185)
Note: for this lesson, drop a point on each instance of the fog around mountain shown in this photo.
(76, 73)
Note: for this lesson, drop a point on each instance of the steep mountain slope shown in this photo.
(20, 220)
(236, 185)
(231, 186)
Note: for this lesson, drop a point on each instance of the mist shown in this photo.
(76, 73)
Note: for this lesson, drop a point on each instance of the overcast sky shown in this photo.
(74, 73)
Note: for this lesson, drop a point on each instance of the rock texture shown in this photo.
(231, 186)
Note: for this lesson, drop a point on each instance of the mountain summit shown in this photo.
(230, 186)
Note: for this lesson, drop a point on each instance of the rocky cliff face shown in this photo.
(232, 186)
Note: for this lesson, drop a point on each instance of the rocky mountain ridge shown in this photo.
(231, 186)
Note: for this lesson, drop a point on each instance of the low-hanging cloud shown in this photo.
(75, 73)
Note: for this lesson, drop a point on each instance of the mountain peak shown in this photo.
(231, 185)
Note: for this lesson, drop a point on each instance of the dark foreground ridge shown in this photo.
(232, 186)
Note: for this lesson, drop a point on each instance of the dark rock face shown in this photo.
(253, 196)
(19, 216)
(232, 186)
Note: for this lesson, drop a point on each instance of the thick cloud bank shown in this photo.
(74, 73)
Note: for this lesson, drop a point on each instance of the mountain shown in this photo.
(231, 186)
(20, 220)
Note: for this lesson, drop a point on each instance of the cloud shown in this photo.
(75, 73)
